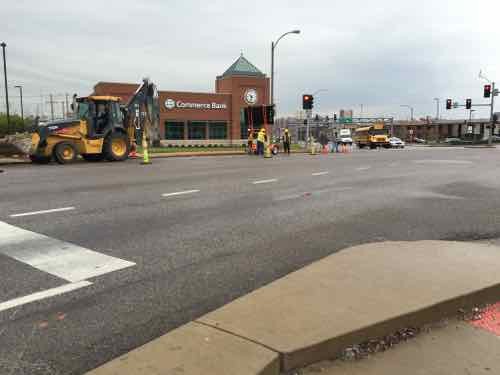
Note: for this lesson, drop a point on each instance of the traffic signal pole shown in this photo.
(493, 94)
(308, 119)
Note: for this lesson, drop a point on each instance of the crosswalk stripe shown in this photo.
(16, 302)
(62, 259)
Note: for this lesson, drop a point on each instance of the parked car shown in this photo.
(419, 140)
(396, 143)
(452, 140)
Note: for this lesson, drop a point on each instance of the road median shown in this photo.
(360, 293)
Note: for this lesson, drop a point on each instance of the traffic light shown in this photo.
(448, 103)
(334, 117)
(487, 91)
(307, 101)
(468, 104)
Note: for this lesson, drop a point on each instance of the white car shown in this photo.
(396, 143)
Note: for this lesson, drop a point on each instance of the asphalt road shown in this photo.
(188, 235)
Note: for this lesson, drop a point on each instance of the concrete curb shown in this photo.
(195, 349)
(350, 297)
(158, 156)
(14, 161)
(196, 154)
(206, 153)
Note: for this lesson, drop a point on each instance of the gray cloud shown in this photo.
(381, 54)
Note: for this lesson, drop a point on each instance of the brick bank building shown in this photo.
(195, 118)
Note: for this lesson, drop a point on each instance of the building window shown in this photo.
(243, 125)
(217, 130)
(174, 130)
(197, 130)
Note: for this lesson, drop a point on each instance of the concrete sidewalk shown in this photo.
(456, 348)
(362, 293)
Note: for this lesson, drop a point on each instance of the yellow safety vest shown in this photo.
(261, 137)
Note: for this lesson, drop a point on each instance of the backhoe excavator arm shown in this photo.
(142, 114)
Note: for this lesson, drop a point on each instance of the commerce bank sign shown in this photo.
(179, 104)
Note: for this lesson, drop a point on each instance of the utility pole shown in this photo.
(21, 97)
(3, 44)
(51, 102)
(437, 108)
(67, 105)
(63, 111)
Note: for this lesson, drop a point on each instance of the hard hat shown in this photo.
(286, 130)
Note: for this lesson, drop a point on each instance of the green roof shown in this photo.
(243, 67)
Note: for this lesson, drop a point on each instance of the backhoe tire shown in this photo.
(93, 157)
(116, 147)
(40, 159)
(65, 153)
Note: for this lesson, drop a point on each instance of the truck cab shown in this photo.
(345, 136)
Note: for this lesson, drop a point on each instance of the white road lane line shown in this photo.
(16, 302)
(320, 173)
(363, 168)
(62, 209)
(288, 197)
(180, 193)
(62, 259)
(265, 181)
(434, 161)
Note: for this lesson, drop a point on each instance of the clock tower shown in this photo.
(248, 86)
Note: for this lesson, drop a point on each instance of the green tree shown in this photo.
(16, 124)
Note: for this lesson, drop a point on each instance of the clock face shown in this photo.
(251, 96)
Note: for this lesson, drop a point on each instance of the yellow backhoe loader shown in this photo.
(102, 128)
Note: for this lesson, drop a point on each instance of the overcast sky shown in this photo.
(377, 53)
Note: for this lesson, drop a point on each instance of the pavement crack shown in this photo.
(237, 335)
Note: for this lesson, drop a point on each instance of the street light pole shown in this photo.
(411, 110)
(3, 44)
(21, 97)
(437, 108)
(273, 48)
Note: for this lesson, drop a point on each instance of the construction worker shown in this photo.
(250, 141)
(286, 141)
(261, 139)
